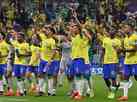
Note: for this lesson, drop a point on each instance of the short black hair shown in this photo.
(52, 30)
(22, 34)
(3, 35)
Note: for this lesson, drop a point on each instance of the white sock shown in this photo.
(1, 86)
(4, 80)
(88, 86)
(41, 83)
(44, 87)
(125, 89)
(121, 85)
(130, 83)
(85, 87)
(54, 91)
(78, 86)
(82, 86)
(20, 85)
(50, 85)
(71, 86)
(61, 78)
(91, 85)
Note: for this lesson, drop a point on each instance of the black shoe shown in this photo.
(87, 94)
(53, 95)
(40, 94)
(1, 93)
(117, 87)
(49, 94)
(25, 93)
(22, 94)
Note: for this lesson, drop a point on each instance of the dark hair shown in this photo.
(52, 30)
(22, 34)
(3, 35)
(39, 39)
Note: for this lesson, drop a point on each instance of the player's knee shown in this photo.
(28, 75)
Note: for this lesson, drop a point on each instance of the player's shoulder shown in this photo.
(105, 38)
(34, 48)
(134, 36)
(118, 39)
(26, 44)
(4, 43)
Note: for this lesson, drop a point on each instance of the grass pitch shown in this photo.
(100, 94)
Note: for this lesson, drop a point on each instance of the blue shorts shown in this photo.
(53, 68)
(20, 70)
(78, 66)
(87, 70)
(130, 70)
(32, 69)
(69, 71)
(110, 71)
(42, 67)
(3, 68)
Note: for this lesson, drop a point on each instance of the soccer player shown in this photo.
(4, 51)
(47, 47)
(80, 60)
(8, 74)
(111, 47)
(88, 84)
(130, 62)
(34, 61)
(10, 62)
(22, 52)
(53, 62)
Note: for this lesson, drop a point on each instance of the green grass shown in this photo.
(100, 95)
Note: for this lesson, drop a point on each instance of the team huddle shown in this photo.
(49, 57)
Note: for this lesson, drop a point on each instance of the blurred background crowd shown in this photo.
(23, 15)
(39, 12)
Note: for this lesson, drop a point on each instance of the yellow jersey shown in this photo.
(21, 49)
(4, 51)
(85, 49)
(35, 57)
(47, 48)
(129, 44)
(80, 48)
(111, 55)
(42, 36)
